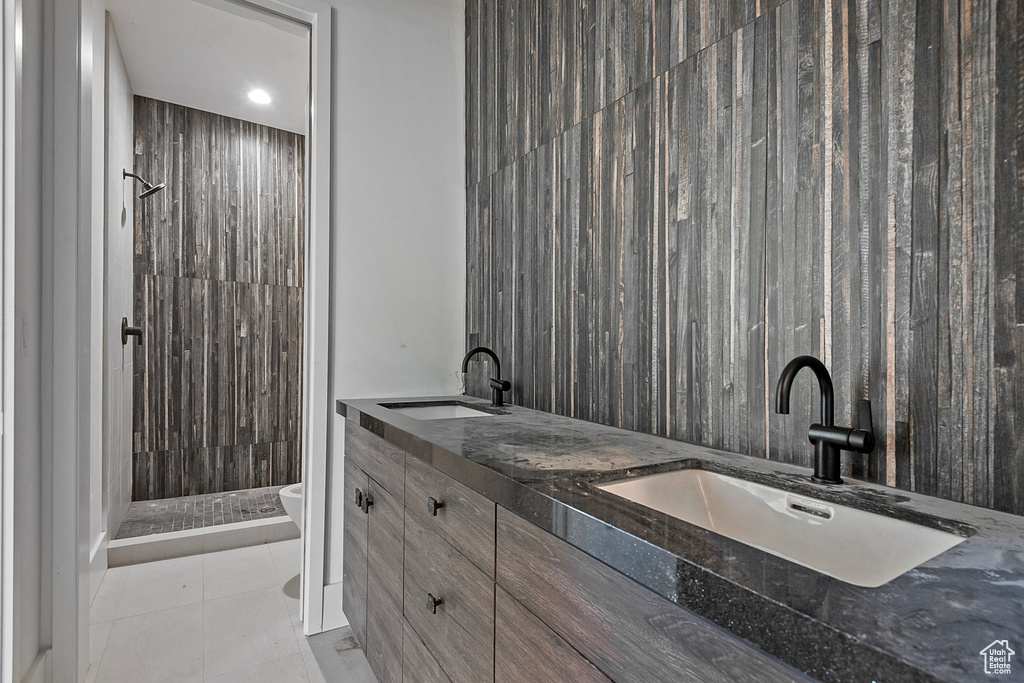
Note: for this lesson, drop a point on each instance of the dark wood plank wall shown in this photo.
(218, 293)
(667, 201)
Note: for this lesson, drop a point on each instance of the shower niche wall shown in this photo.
(218, 293)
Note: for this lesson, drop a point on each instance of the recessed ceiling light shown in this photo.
(259, 96)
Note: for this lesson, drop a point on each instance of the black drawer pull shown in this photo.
(359, 498)
(367, 502)
(432, 603)
(433, 505)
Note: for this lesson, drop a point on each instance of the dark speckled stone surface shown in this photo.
(928, 624)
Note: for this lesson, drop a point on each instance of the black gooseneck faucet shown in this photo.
(828, 439)
(498, 386)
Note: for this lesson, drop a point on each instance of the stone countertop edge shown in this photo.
(928, 624)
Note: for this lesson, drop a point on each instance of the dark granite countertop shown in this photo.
(928, 624)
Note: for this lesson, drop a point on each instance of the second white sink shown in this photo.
(444, 411)
(852, 545)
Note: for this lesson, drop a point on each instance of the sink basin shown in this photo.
(435, 411)
(852, 545)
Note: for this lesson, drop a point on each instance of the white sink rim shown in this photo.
(425, 410)
(805, 530)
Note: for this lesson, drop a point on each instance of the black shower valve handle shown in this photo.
(129, 331)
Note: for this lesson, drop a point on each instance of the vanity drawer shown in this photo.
(384, 462)
(625, 630)
(527, 651)
(418, 665)
(460, 630)
(462, 517)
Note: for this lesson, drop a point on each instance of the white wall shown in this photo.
(118, 291)
(399, 211)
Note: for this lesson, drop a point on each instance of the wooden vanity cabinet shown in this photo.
(444, 586)
(407, 535)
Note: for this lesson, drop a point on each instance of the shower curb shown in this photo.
(166, 546)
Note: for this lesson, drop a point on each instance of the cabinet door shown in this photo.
(353, 593)
(384, 551)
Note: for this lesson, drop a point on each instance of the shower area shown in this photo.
(214, 339)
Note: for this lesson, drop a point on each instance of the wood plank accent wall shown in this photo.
(667, 201)
(218, 293)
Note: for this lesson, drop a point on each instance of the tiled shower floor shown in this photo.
(147, 517)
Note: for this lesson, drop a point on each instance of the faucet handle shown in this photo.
(501, 384)
(863, 437)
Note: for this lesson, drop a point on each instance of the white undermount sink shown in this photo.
(435, 411)
(852, 545)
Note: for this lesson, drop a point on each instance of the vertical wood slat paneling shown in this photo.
(218, 282)
(1007, 427)
(704, 190)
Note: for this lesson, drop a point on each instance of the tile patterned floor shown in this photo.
(146, 517)
(227, 617)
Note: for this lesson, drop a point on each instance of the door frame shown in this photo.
(317, 315)
(7, 80)
(67, 382)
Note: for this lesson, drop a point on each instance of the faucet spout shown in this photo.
(486, 351)
(498, 385)
(785, 387)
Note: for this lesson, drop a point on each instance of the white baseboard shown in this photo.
(334, 617)
(97, 565)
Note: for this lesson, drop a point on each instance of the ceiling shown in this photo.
(208, 54)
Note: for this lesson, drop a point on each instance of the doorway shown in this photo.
(230, 465)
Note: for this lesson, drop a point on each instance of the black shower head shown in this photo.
(150, 189)
(147, 188)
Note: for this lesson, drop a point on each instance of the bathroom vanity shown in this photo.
(488, 543)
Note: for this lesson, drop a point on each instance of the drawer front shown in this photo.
(464, 518)
(627, 631)
(461, 632)
(353, 587)
(527, 651)
(384, 548)
(418, 665)
(379, 459)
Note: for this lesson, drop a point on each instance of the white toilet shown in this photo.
(291, 498)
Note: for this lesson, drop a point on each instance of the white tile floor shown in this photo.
(226, 617)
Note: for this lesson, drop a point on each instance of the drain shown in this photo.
(270, 509)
